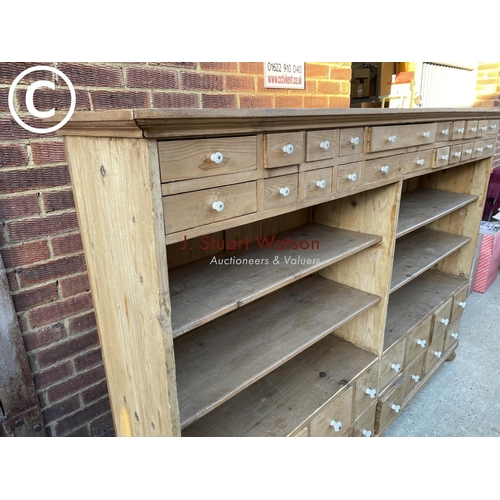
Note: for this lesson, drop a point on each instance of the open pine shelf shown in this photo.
(201, 291)
(410, 304)
(420, 250)
(422, 206)
(219, 360)
(278, 403)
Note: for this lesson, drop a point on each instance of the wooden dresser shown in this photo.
(276, 272)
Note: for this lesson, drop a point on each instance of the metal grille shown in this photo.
(445, 85)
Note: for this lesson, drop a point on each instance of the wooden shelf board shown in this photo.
(410, 304)
(219, 360)
(420, 250)
(422, 206)
(278, 403)
(201, 291)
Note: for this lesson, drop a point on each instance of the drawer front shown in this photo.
(470, 129)
(418, 161)
(489, 146)
(349, 176)
(493, 127)
(459, 304)
(458, 130)
(443, 131)
(321, 144)
(434, 353)
(318, 182)
(284, 149)
(478, 149)
(441, 319)
(455, 154)
(442, 157)
(452, 334)
(384, 168)
(364, 426)
(413, 375)
(482, 128)
(467, 151)
(351, 141)
(335, 417)
(280, 191)
(192, 159)
(366, 389)
(198, 208)
(400, 136)
(391, 364)
(389, 406)
(418, 339)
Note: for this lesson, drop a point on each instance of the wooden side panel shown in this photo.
(369, 270)
(118, 198)
(470, 179)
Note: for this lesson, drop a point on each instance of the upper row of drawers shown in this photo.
(190, 159)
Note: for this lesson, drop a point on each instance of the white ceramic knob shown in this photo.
(395, 407)
(438, 354)
(218, 205)
(385, 169)
(484, 129)
(422, 342)
(421, 161)
(371, 392)
(324, 145)
(454, 335)
(366, 433)
(288, 149)
(426, 134)
(445, 157)
(468, 151)
(336, 425)
(285, 191)
(493, 127)
(355, 141)
(462, 304)
(445, 131)
(445, 321)
(474, 129)
(321, 184)
(392, 138)
(352, 177)
(458, 154)
(396, 367)
(480, 149)
(416, 378)
(217, 157)
(490, 146)
(461, 130)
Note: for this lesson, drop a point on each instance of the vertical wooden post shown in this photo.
(118, 199)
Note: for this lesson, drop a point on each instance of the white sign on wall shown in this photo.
(279, 75)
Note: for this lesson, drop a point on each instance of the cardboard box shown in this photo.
(489, 256)
(362, 87)
(361, 73)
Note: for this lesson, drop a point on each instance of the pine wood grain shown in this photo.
(218, 360)
(420, 250)
(209, 288)
(422, 206)
(284, 399)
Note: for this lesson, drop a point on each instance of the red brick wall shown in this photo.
(39, 237)
(488, 93)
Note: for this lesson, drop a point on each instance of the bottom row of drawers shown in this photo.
(356, 412)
